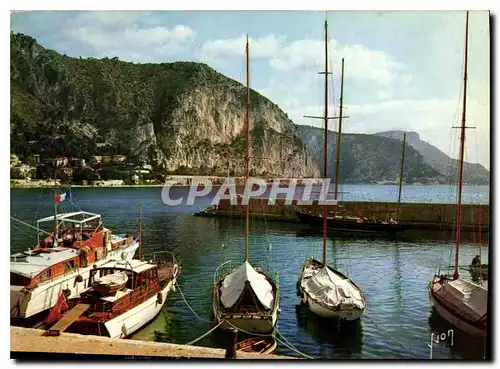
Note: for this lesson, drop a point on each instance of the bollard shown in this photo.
(232, 335)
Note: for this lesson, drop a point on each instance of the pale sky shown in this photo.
(403, 70)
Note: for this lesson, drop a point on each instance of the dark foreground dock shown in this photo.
(30, 343)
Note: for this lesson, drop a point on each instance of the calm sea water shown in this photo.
(394, 275)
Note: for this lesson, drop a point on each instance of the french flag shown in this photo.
(60, 197)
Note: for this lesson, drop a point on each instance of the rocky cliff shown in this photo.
(180, 116)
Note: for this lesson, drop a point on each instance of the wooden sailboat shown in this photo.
(461, 302)
(339, 220)
(323, 289)
(124, 311)
(246, 298)
(62, 260)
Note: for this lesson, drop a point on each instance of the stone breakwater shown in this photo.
(437, 216)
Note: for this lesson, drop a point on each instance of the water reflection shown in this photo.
(397, 277)
(342, 341)
(411, 235)
(464, 346)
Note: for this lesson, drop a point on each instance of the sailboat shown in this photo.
(246, 298)
(462, 303)
(323, 289)
(339, 220)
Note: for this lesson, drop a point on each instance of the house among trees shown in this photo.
(61, 161)
(135, 179)
(14, 160)
(23, 171)
(34, 159)
(77, 162)
(95, 159)
(118, 158)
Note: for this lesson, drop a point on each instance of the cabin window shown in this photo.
(69, 266)
(44, 275)
(18, 280)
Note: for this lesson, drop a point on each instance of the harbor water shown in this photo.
(394, 275)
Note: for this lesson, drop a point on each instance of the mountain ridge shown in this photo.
(180, 117)
(368, 158)
(174, 115)
(474, 173)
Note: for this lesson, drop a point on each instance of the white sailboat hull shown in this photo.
(346, 314)
(461, 303)
(346, 309)
(24, 304)
(243, 282)
(131, 321)
(456, 322)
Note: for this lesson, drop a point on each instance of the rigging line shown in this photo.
(391, 337)
(204, 335)
(23, 231)
(190, 308)
(453, 139)
(451, 254)
(29, 225)
(39, 205)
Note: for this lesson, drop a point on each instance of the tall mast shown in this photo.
(462, 147)
(247, 156)
(55, 203)
(140, 232)
(325, 158)
(325, 118)
(337, 165)
(401, 171)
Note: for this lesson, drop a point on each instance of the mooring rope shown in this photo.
(394, 339)
(190, 308)
(291, 347)
(204, 335)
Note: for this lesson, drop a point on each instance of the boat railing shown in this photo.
(174, 259)
(228, 265)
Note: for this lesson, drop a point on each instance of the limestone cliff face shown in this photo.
(180, 116)
(209, 122)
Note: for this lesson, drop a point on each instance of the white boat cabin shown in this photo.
(80, 241)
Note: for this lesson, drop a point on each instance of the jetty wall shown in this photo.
(471, 214)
